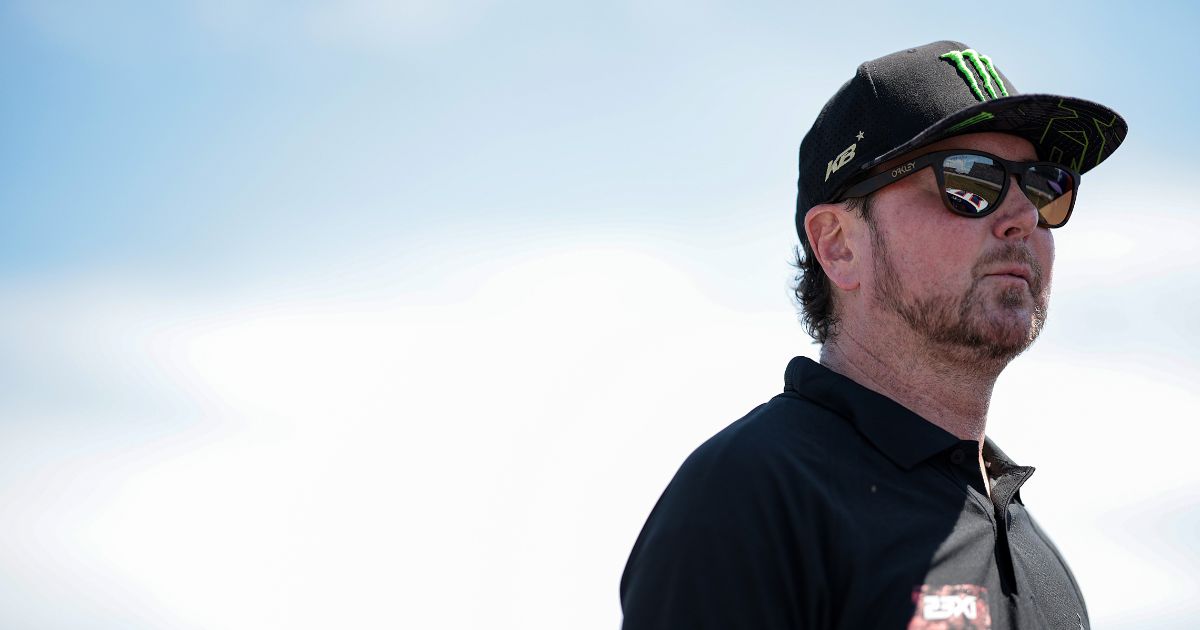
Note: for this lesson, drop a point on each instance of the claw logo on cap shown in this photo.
(983, 65)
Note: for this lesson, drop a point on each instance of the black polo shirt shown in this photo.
(832, 506)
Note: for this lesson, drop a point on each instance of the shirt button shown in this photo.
(957, 456)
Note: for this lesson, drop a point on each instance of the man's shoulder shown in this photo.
(786, 440)
(787, 426)
(749, 517)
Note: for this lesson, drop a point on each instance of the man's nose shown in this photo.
(1017, 216)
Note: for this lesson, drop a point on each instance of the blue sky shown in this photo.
(299, 290)
(187, 138)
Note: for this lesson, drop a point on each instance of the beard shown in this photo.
(979, 324)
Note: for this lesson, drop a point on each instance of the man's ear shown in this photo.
(831, 229)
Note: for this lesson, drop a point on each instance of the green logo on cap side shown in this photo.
(983, 65)
(977, 118)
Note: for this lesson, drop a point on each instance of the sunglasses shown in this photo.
(973, 183)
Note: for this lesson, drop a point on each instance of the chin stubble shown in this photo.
(959, 321)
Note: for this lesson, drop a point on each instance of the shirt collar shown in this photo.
(904, 437)
(999, 463)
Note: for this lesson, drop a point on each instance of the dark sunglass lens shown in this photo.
(1051, 189)
(973, 183)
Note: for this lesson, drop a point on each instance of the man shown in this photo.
(867, 495)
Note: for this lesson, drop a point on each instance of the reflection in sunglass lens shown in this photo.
(1050, 189)
(973, 182)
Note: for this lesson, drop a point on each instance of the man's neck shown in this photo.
(952, 392)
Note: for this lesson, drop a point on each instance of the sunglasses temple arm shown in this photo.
(867, 186)
(873, 183)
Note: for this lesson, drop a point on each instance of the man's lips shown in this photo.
(1023, 273)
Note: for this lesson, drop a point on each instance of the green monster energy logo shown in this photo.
(983, 65)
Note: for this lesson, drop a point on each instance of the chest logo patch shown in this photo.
(950, 607)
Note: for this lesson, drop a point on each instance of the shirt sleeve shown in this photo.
(736, 541)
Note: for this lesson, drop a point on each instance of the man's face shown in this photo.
(955, 280)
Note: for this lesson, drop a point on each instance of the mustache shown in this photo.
(1012, 253)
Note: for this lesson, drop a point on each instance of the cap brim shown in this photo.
(1074, 132)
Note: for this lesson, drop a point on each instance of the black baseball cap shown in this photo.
(918, 96)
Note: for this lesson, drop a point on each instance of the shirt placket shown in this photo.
(1004, 489)
(963, 466)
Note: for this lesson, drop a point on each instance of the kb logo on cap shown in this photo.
(840, 161)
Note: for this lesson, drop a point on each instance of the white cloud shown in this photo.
(358, 458)
(500, 443)
(377, 464)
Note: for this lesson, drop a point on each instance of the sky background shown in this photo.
(402, 315)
